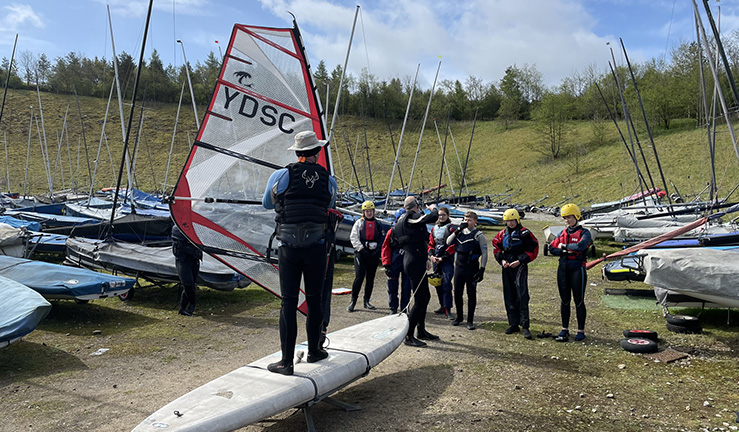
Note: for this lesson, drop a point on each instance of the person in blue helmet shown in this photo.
(572, 246)
(301, 195)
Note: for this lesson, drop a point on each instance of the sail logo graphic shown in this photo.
(251, 107)
(310, 181)
(242, 76)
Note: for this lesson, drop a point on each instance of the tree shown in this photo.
(552, 123)
(512, 101)
(28, 65)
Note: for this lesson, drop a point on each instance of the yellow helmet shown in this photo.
(511, 214)
(368, 205)
(435, 279)
(570, 210)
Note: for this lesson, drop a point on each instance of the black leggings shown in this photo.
(516, 295)
(187, 269)
(465, 277)
(365, 266)
(414, 266)
(571, 283)
(310, 265)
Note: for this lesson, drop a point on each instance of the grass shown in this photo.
(499, 159)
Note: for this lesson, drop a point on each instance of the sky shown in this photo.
(392, 38)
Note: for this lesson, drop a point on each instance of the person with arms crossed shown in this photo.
(513, 248)
(571, 246)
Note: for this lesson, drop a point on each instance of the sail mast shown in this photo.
(423, 126)
(130, 117)
(400, 140)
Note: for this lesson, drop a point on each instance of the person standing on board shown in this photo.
(471, 251)
(366, 238)
(301, 194)
(187, 259)
(411, 235)
(442, 257)
(392, 261)
(514, 247)
(571, 246)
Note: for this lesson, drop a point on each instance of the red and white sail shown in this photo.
(263, 97)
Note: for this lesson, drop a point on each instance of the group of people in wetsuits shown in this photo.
(303, 194)
(457, 256)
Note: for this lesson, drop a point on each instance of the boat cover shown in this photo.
(708, 274)
(64, 282)
(154, 263)
(21, 309)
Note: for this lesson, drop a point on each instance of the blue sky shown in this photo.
(473, 37)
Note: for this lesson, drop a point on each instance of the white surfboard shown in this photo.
(252, 393)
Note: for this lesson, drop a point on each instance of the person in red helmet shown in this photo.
(513, 248)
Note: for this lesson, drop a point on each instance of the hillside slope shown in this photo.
(499, 160)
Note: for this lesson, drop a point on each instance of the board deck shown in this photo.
(251, 393)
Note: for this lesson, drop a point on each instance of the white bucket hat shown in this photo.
(305, 141)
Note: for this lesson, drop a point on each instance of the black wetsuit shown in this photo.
(187, 261)
(411, 235)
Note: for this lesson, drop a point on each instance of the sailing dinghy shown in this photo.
(20, 310)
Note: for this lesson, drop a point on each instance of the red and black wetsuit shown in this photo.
(510, 245)
(571, 275)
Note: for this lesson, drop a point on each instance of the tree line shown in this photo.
(668, 89)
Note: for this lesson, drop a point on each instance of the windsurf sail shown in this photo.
(263, 97)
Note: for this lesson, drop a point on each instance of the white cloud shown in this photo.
(16, 15)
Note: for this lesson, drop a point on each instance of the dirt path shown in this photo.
(477, 380)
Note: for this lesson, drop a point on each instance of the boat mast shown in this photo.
(174, 132)
(715, 78)
(189, 82)
(130, 117)
(341, 80)
(443, 153)
(7, 78)
(646, 123)
(625, 108)
(102, 137)
(28, 155)
(469, 147)
(400, 141)
(423, 126)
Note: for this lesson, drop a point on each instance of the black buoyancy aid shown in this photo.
(408, 235)
(566, 237)
(307, 196)
(466, 244)
(371, 231)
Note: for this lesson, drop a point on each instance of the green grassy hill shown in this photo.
(499, 159)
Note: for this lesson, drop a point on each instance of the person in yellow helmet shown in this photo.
(366, 237)
(572, 246)
(514, 247)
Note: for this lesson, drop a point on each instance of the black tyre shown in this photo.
(644, 334)
(639, 345)
(80, 301)
(546, 249)
(126, 296)
(683, 320)
(683, 329)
